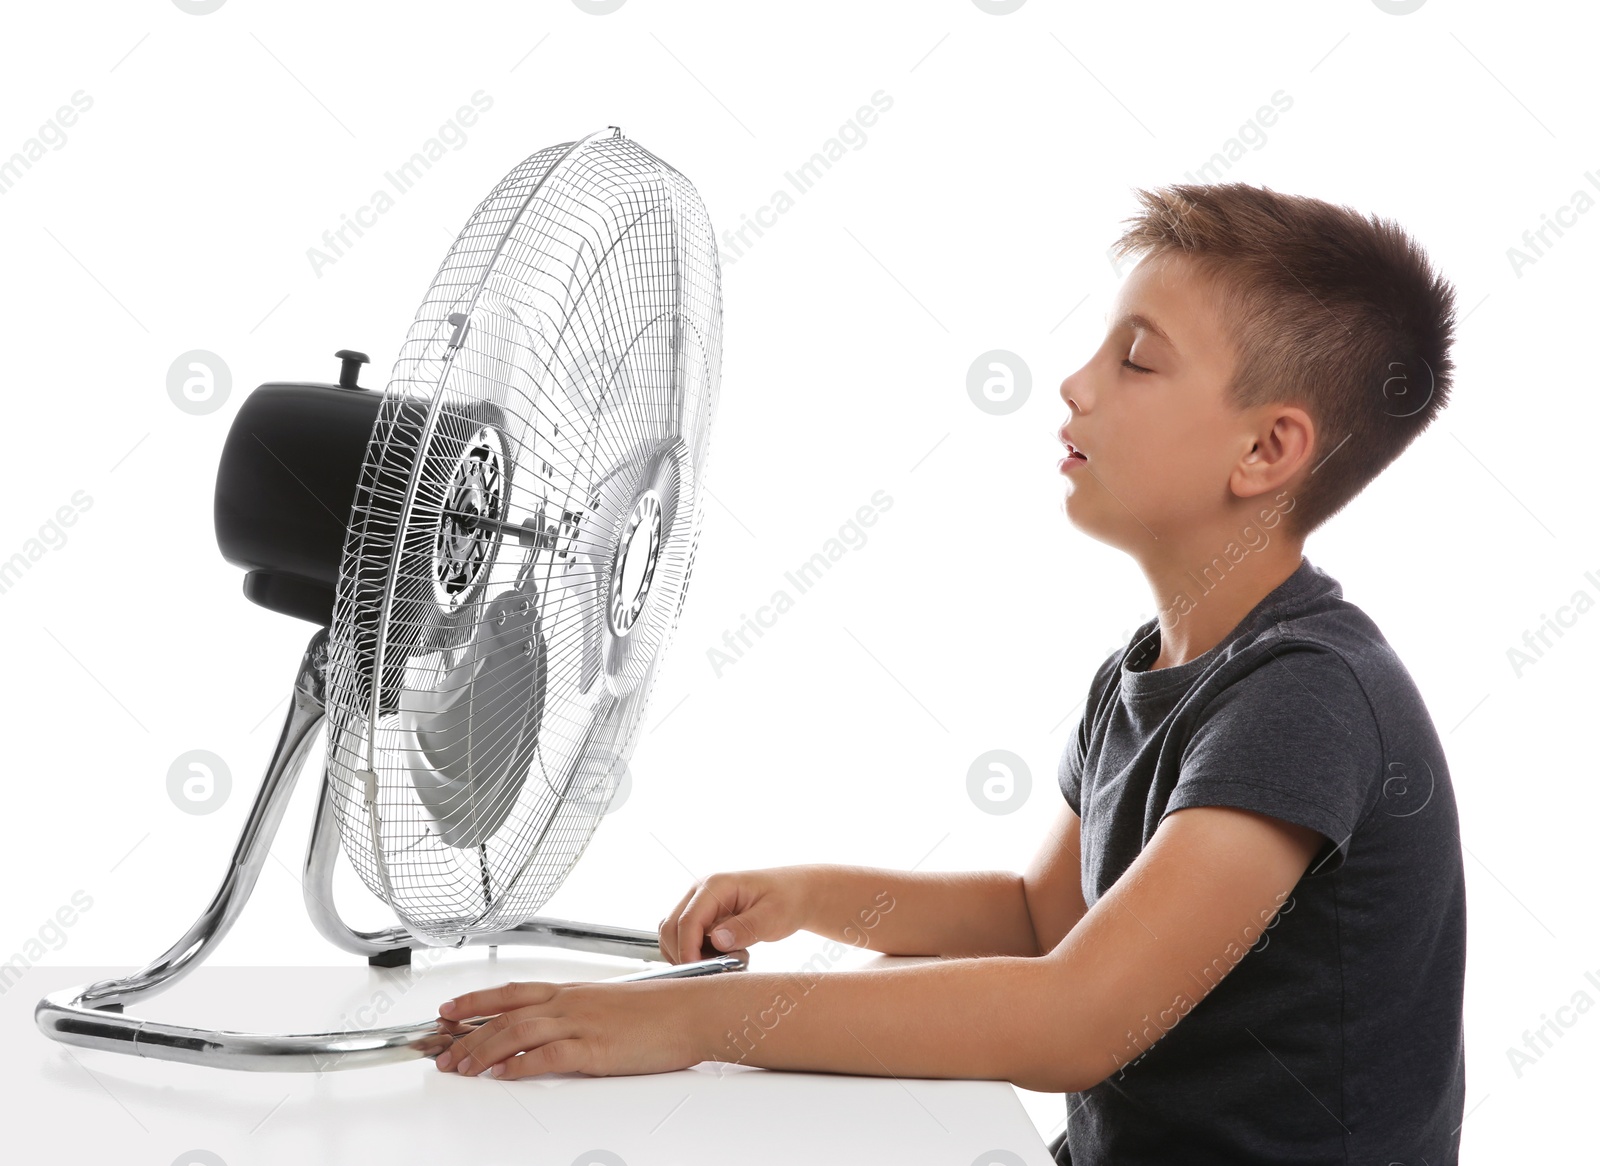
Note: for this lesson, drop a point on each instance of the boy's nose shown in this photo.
(1074, 388)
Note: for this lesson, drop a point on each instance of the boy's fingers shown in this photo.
(669, 926)
(691, 936)
(692, 923)
(705, 903)
(509, 1039)
(492, 1001)
(446, 1037)
(712, 951)
(734, 931)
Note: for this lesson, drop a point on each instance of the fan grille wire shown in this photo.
(591, 278)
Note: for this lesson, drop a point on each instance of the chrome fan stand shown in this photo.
(90, 1015)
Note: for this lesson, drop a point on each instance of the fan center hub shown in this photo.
(463, 541)
(635, 566)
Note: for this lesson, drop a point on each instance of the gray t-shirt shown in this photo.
(1337, 1036)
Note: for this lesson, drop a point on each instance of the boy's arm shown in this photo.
(1054, 882)
(959, 913)
(1187, 909)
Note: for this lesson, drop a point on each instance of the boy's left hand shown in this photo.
(600, 1029)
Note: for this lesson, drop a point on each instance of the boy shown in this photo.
(1244, 941)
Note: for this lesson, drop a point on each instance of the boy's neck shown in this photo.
(1213, 606)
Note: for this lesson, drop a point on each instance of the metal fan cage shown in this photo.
(562, 367)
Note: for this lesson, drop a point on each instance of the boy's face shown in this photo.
(1160, 444)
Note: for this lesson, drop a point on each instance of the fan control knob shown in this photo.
(351, 368)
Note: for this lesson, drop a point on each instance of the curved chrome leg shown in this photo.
(62, 1017)
(90, 1015)
(249, 856)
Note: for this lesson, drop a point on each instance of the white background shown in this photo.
(976, 215)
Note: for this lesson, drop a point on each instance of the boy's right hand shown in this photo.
(730, 911)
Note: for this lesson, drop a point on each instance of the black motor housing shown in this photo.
(285, 487)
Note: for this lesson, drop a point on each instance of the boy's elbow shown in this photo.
(1064, 1074)
(1087, 1076)
(1057, 1058)
(1065, 1053)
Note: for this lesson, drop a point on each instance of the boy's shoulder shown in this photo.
(1314, 636)
(1306, 617)
(1303, 712)
(1303, 645)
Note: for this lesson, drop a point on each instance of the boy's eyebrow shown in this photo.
(1145, 323)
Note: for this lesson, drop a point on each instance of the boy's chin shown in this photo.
(1079, 515)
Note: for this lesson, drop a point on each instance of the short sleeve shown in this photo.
(1069, 774)
(1294, 738)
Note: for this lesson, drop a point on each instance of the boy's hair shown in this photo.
(1337, 313)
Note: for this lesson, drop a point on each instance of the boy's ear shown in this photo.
(1280, 448)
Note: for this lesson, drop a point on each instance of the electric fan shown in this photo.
(496, 550)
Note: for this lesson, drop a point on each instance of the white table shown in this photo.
(79, 1105)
